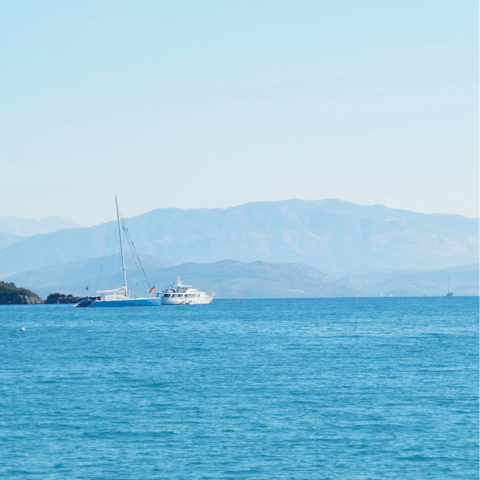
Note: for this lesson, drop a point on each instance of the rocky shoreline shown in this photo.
(61, 298)
(10, 294)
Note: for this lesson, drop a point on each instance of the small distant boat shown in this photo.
(449, 293)
(179, 294)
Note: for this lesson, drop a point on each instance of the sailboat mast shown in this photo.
(121, 249)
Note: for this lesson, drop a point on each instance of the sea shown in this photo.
(368, 388)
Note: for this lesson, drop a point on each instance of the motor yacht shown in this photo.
(179, 294)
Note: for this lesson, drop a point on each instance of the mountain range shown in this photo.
(332, 236)
(463, 280)
(230, 278)
(234, 279)
(23, 227)
(7, 239)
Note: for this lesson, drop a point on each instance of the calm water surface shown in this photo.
(264, 389)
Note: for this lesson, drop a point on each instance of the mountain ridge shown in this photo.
(334, 236)
(230, 278)
(7, 239)
(235, 279)
(24, 227)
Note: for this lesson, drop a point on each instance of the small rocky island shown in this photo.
(12, 295)
(54, 298)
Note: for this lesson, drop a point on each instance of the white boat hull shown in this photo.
(205, 300)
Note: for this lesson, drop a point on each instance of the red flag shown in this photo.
(152, 290)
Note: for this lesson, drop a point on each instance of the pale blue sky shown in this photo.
(214, 104)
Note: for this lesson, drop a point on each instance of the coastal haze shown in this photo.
(294, 248)
(24, 227)
(207, 119)
(14, 229)
(234, 279)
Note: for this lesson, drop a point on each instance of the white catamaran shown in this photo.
(120, 297)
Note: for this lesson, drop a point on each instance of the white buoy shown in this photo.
(91, 321)
(22, 329)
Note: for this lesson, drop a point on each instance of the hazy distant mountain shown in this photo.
(98, 273)
(7, 239)
(230, 279)
(24, 227)
(464, 281)
(330, 235)
(233, 279)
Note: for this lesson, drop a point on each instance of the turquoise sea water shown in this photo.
(242, 389)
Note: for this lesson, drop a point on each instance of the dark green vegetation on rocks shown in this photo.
(55, 298)
(12, 295)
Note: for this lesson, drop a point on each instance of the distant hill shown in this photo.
(7, 239)
(24, 227)
(464, 281)
(230, 279)
(98, 273)
(330, 235)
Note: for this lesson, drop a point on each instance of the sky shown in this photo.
(193, 104)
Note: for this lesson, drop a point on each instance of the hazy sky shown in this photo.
(213, 104)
